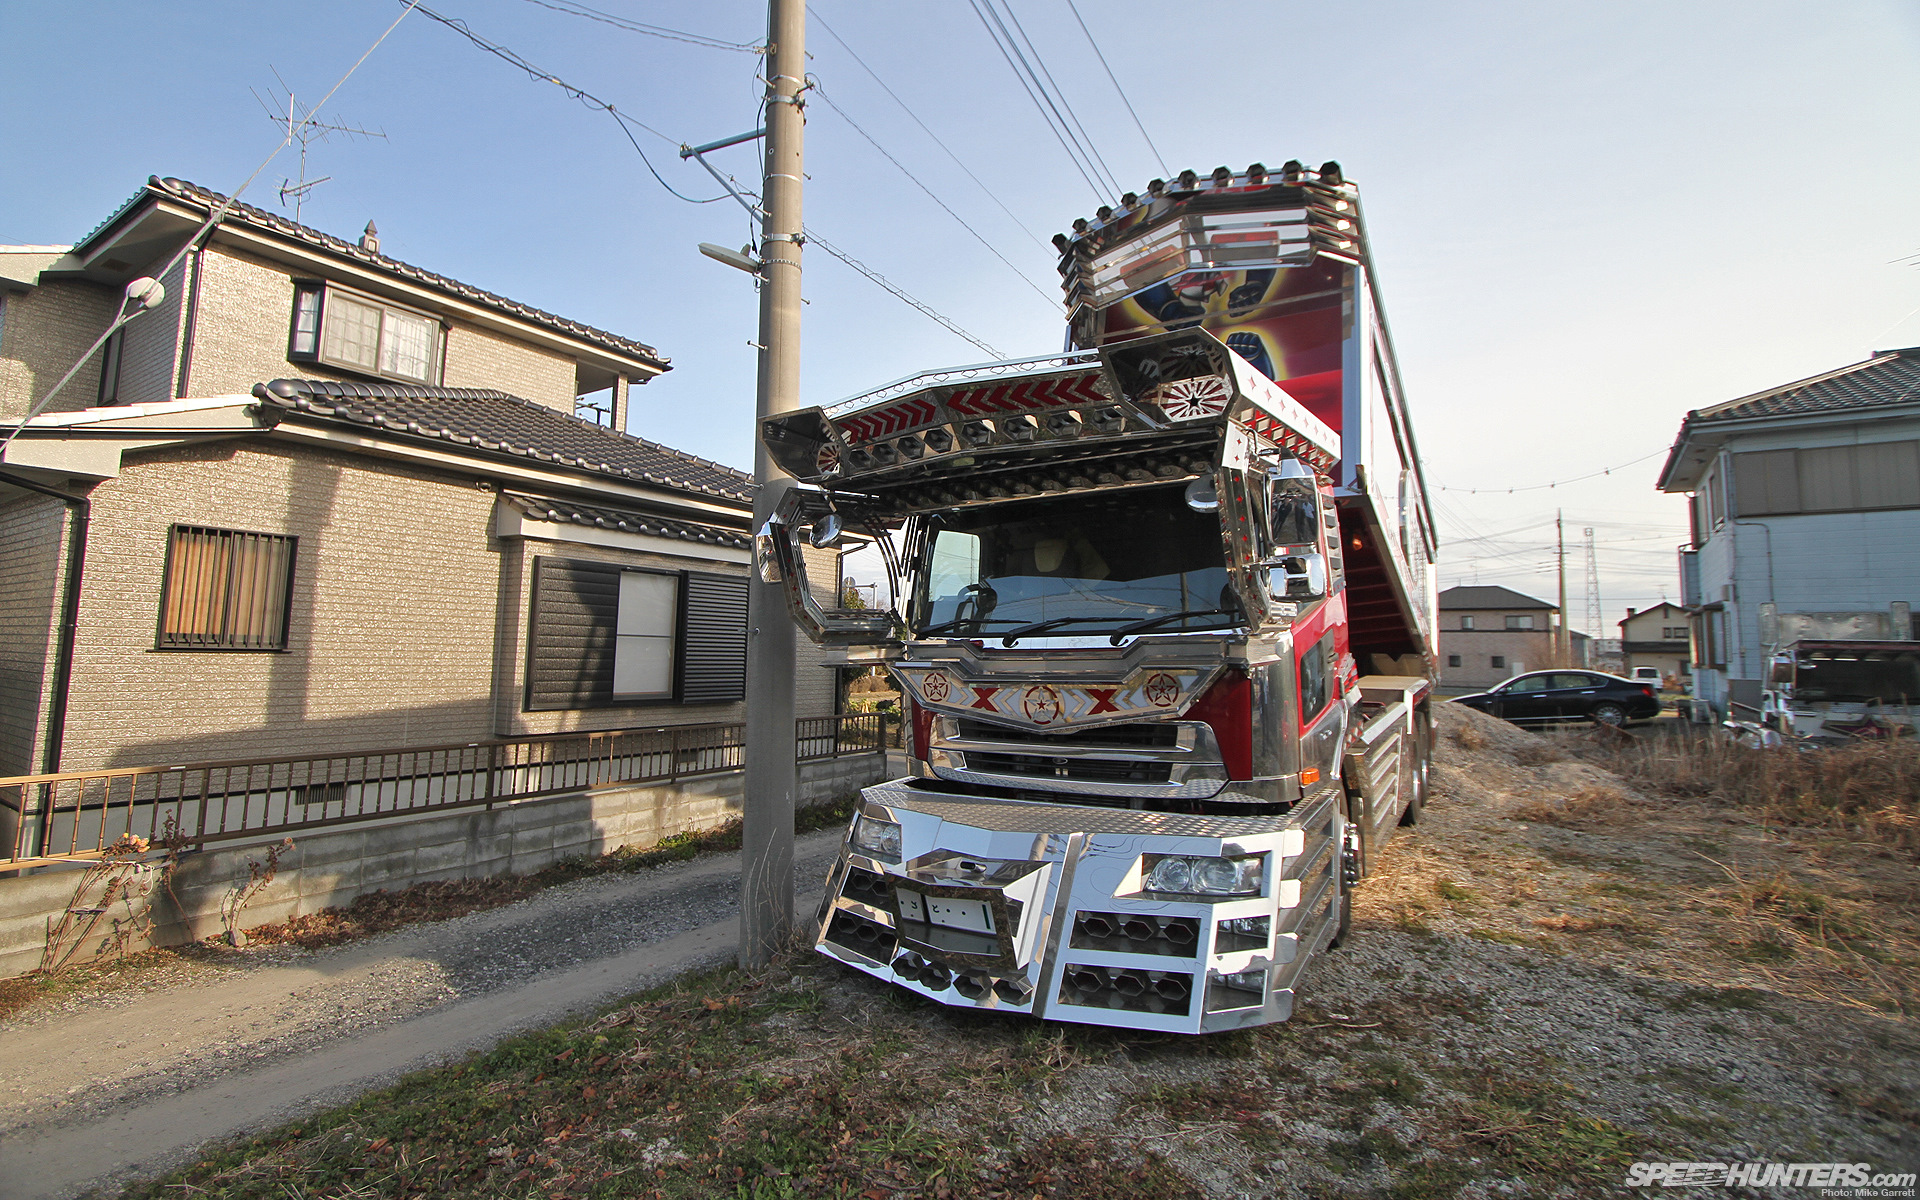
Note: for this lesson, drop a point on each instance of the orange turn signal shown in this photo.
(1309, 776)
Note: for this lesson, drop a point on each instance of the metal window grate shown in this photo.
(226, 590)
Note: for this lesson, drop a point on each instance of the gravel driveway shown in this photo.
(126, 1082)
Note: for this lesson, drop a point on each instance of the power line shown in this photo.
(1050, 301)
(660, 31)
(930, 133)
(1086, 139)
(883, 282)
(1540, 487)
(584, 97)
(589, 100)
(1160, 158)
(127, 311)
(1058, 130)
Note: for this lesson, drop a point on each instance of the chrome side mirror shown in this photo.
(1298, 577)
(1203, 495)
(826, 531)
(766, 552)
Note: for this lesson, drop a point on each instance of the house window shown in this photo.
(226, 590)
(1453, 660)
(1498, 662)
(343, 329)
(1674, 633)
(1870, 476)
(1466, 622)
(604, 635)
(1514, 622)
(110, 369)
(643, 644)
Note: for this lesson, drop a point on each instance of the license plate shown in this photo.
(973, 916)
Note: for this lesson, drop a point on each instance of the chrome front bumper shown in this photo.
(1039, 909)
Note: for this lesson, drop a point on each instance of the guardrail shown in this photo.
(77, 814)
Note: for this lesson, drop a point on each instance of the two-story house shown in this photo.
(1805, 507)
(1657, 637)
(1491, 633)
(317, 498)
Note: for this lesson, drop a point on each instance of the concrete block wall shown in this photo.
(329, 867)
(45, 331)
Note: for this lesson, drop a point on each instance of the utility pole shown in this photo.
(773, 775)
(1562, 649)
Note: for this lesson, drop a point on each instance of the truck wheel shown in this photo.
(1609, 714)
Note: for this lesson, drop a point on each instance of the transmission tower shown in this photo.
(1593, 588)
(304, 127)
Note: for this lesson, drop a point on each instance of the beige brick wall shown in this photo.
(391, 630)
(47, 329)
(477, 358)
(408, 626)
(33, 542)
(246, 309)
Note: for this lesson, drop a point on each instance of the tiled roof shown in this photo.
(502, 424)
(1889, 377)
(1489, 596)
(189, 193)
(566, 512)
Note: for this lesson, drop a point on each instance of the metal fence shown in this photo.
(77, 814)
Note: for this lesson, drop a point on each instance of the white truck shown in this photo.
(1163, 619)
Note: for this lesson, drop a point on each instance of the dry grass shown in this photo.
(1585, 809)
(1868, 792)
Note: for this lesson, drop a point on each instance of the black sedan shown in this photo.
(1544, 697)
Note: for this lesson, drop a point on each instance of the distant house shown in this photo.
(1805, 506)
(1657, 637)
(320, 500)
(1490, 633)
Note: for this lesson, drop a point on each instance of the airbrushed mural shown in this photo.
(1287, 321)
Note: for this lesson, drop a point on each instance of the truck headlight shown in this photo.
(879, 839)
(1205, 876)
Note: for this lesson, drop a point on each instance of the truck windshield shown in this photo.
(1083, 564)
(1858, 676)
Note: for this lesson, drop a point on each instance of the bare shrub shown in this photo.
(1868, 792)
(1538, 753)
(1586, 807)
(1470, 738)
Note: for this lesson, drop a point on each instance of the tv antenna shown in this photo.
(303, 125)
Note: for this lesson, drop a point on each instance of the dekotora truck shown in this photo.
(1163, 621)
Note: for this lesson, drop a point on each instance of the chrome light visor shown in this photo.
(1186, 876)
(878, 839)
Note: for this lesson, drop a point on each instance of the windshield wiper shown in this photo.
(946, 626)
(1168, 619)
(1014, 635)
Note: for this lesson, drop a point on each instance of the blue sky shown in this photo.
(1588, 218)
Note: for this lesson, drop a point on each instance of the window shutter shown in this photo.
(576, 609)
(715, 640)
